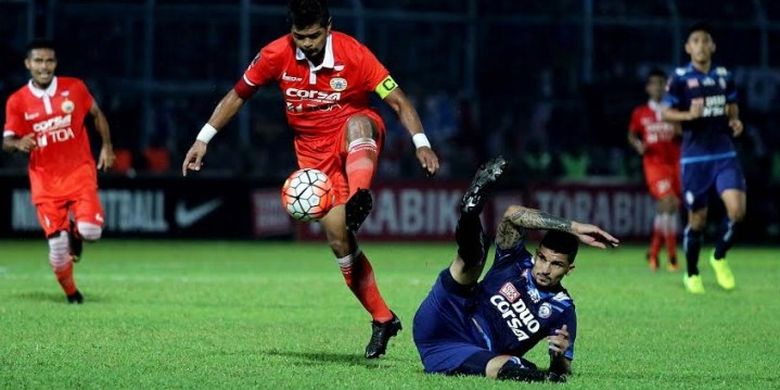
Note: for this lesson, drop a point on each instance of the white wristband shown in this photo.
(420, 140)
(206, 133)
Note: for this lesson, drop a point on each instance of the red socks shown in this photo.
(359, 276)
(658, 237)
(361, 163)
(65, 278)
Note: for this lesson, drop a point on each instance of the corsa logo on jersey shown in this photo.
(54, 123)
(313, 94)
(55, 129)
(518, 315)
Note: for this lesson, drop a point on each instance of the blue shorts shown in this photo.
(445, 336)
(699, 178)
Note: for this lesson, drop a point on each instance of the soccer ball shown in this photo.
(307, 195)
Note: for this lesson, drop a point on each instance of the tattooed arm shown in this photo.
(517, 219)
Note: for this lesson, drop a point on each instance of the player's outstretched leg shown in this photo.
(381, 332)
(482, 186)
(76, 242)
(357, 208)
(472, 241)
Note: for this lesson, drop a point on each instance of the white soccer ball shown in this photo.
(307, 194)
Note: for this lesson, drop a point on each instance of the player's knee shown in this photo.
(89, 231)
(360, 126)
(697, 222)
(59, 250)
(339, 245)
(736, 215)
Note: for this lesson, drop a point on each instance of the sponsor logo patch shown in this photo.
(509, 292)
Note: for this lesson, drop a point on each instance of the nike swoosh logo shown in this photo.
(187, 217)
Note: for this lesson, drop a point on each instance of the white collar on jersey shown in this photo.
(49, 91)
(656, 106)
(327, 62)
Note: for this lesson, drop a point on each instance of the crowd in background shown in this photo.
(530, 98)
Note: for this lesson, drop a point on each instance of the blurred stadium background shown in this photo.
(549, 83)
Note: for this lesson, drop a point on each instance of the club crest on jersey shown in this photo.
(693, 83)
(68, 106)
(534, 294)
(509, 292)
(545, 310)
(338, 84)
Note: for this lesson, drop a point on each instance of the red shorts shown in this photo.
(85, 207)
(328, 153)
(663, 180)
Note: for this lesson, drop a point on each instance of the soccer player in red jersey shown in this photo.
(326, 78)
(45, 118)
(658, 143)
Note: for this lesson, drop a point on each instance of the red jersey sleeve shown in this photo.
(635, 126)
(84, 95)
(14, 120)
(264, 68)
(373, 71)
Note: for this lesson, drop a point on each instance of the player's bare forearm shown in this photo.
(407, 114)
(732, 111)
(674, 115)
(516, 219)
(9, 144)
(226, 109)
(101, 125)
(635, 142)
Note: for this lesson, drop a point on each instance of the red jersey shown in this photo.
(61, 165)
(318, 99)
(662, 146)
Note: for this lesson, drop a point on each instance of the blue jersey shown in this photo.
(707, 137)
(512, 313)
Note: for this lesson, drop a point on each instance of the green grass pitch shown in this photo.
(277, 315)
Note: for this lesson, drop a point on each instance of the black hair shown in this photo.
(700, 26)
(304, 13)
(40, 43)
(561, 242)
(656, 72)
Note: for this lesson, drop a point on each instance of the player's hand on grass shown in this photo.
(26, 143)
(593, 235)
(107, 158)
(194, 159)
(559, 342)
(428, 160)
(736, 127)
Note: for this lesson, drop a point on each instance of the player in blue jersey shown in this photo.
(703, 98)
(469, 328)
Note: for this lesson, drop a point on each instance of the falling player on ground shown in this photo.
(657, 142)
(469, 328)
(326, 78)
(45, 118)
(703, 98)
